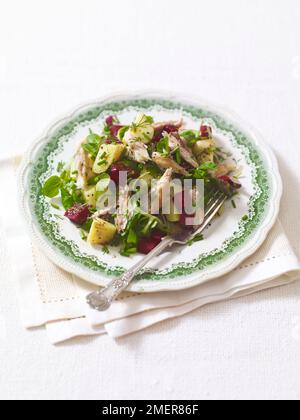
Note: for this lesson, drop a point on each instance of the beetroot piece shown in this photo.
(158, 134)
(120, 167)
(169, 128)
(114, 129)
(146, 245)
(109, 120)
(229, 181)
(205, 131)
(157, 236)
(78, 214)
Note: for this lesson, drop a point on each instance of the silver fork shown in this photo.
(103, 298)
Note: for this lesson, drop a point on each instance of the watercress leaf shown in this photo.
(208, 166)
(87, 226)
(132, 238)
(51, 187)
(191, 136)
(163, 146)
(92, 144)
(60, 167)
(202, 171)
(178, 157)
(67, 199)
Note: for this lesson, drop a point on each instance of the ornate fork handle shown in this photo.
(102, 298)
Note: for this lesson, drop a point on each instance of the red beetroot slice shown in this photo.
(205, 131)
(157, 236)
(109, 120)
(114, 129)
(146, 245)
(120, 167)
(169, 128)
(78, 214)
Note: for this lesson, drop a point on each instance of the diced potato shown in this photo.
(141, 130)
(90, 196)
(108, 154)
(206, 157)
(101, 233)
(202, 146)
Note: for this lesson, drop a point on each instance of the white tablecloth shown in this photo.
(244, 54)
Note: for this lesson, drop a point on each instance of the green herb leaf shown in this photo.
(140, 225)
(163, 146)
(202, 171)
(60, 167)
(55, 206)
(191, 136)
(197, 238)
(51, 187)
(87, 225)
(83, 235)
(67, 199)
(178, 156)
(92, 144)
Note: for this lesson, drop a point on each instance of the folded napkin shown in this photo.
(55, 299)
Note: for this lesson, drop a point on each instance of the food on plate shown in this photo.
(154, 153)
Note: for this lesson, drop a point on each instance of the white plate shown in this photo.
(229, 240)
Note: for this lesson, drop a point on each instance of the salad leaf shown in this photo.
(154, 170)
(60, 167)
(178, 156)
(65, 184)
(51, 187)
(92, 144)
(202, 171)
(191, 136)
(140, 225)
(67, 198)
(87, 225)
(163, 146)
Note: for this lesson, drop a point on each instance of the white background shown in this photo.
(239, 53)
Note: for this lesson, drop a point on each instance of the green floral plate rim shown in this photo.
(263, 204)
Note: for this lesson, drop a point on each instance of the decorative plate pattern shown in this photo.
(230, 240)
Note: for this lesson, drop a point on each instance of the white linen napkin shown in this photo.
(55, 299)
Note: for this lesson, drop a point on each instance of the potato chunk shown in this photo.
(90, 196)
(101, 233)
(108, 154)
